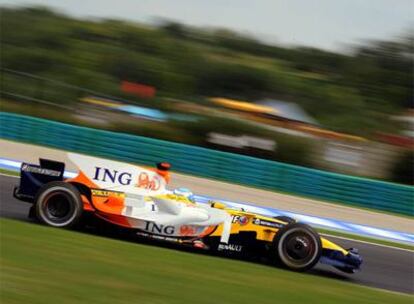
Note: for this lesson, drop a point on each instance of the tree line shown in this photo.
(353, 92)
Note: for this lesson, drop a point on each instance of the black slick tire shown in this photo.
(297, 247)
(58, 204)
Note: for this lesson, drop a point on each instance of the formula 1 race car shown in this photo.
(136, 199)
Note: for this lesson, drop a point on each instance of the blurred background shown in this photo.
(329, 87)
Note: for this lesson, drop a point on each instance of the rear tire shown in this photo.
(58, 204)
(297, 247)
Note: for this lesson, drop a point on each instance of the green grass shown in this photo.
(44, 265)
(9, 172)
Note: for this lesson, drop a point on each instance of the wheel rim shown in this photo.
(298, 249)
(58, 207)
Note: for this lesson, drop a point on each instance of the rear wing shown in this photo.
(99, 173)
(94, 173)
(33, 176)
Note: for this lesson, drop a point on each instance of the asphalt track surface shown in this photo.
(383, 267)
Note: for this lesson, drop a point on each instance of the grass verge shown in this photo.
(44, 265)
(9, 172)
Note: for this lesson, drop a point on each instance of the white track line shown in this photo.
(366, 242)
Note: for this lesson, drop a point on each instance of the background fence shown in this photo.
(210, 163)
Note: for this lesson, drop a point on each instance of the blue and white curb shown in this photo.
(320, 222)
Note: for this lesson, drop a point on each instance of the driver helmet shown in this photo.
(185, 193)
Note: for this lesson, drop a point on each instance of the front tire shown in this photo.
(297, 247)
(58, 204)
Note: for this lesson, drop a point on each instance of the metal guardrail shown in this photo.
(210, 163)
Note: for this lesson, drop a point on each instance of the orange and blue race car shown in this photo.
(136, 199)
